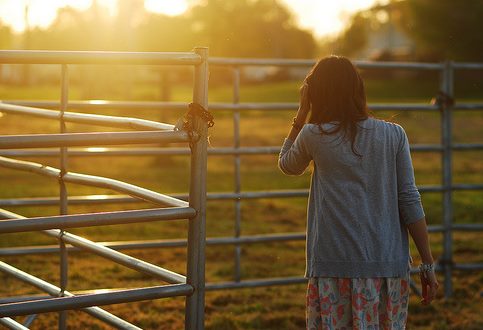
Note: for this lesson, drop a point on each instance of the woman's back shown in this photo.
(355, 200)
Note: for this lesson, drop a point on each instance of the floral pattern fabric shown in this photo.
(357, 303)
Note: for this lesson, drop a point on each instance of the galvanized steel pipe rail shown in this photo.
(191, 286)
(157, 151)
(82, 243)
(12, 324)
(91, 219)
(91, 180)
(84, 118)
(90, 139)
(54, 291)
(109, 298)
(98, 57)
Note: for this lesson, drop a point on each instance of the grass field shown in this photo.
(261, 308)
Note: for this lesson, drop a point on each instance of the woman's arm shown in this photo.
(294, 157)
(412, 215)
(302, 112)
(419, 232)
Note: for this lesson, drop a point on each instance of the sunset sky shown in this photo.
(324, 17)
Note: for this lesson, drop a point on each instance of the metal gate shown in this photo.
(446, 147)
(167, 207)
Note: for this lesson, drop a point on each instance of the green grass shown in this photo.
(261, 308)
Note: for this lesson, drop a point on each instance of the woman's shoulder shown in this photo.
(310, 128)
(387, 125)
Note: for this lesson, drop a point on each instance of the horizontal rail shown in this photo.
(172, 243)
(73, 200)
(104, 104)
(269, 282)
(245, 106)
(90, 139)
(108, 199)
(216, 151)
(12, 324)
(99, 299)
(92, 180)
(106, 57)
(305, 192)
(454, 187)
(96, 151)
(223, 61)
(293, 106)
(259, 282)
(255, 283)
(92, 219)
(84, 118)
(107, 253)
(468, 106)
(468, 266)
(148, 244)
(398, 65)
(16, 299)
(54, 291)
(300, 62)
(97, 57)
(300, 280)
(472, 66)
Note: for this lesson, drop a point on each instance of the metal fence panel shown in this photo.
(195, 210)
(195, 302)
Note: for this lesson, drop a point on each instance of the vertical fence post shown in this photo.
(63, 192)
(446, 139)
(237, 164)
(195, 304)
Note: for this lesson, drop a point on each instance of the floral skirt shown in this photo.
(357, 303)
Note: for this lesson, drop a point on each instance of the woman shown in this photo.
(362, 203)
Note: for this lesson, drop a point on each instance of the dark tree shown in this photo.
(445, 29)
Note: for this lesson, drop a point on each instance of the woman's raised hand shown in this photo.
(304, 106)
(302, 113)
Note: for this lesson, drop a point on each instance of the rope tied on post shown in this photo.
(185, 123)
(442, 100)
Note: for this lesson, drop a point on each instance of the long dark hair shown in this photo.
(336, 93)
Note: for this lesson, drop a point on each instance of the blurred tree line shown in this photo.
(440, 29)
(243, 28)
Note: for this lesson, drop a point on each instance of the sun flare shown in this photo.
(167, 7)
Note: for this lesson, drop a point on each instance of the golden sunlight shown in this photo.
(97, 102)
(326, 17)
(96, 149)
(322, 17)
(168, 7)
(96, 197)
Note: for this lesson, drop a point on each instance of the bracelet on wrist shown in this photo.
(296, 125)
(426, 268)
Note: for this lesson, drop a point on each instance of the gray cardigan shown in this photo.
(358, 208)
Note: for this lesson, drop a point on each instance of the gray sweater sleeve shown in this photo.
(409, 199)
(294, 156)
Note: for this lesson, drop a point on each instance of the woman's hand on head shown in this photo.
(304, 106)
